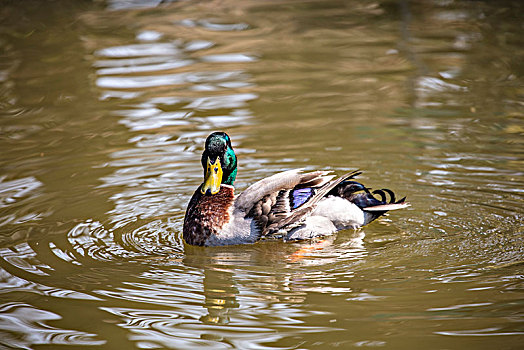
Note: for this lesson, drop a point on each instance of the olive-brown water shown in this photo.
(104, 109)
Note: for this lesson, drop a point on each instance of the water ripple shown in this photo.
(458, 307)
(207, 96)
(181, 300)
(13, 190)
(137, 50)
(19, 205)
(23, 256)
(207, 24)
(92, 239)
(11, 284)
(485, 332)
(23, 325)
(140, 69)
(155, 238)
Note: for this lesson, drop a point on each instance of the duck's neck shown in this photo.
(230, 178)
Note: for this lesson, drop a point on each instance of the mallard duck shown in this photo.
(292, 205)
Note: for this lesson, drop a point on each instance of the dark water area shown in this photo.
(104, 109)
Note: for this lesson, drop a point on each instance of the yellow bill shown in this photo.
(213, 177)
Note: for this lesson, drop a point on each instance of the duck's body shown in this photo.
(291, 204)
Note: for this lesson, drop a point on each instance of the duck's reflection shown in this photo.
(232, 273)
(220, 296)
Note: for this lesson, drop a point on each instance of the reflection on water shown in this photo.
(206, 97)
(102, 128)
(29, 325)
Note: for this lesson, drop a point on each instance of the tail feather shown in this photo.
(382, 193)
(387, 207)
(374, 203)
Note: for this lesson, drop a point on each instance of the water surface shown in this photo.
(106, 105)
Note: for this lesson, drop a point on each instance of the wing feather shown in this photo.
(270, 201)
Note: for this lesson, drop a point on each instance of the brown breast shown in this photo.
(207, 214)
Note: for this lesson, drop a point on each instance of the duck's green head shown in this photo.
(219, 162)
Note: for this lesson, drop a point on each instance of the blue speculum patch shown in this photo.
(300, 196)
